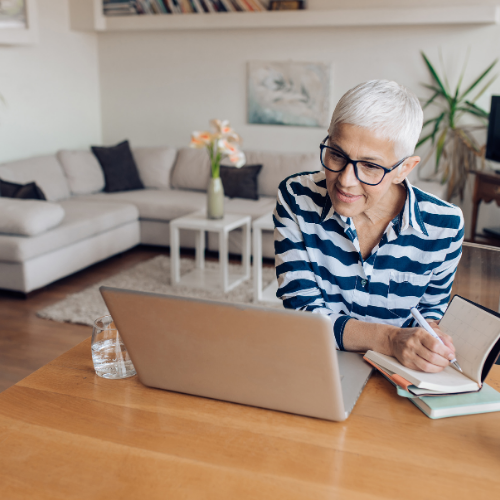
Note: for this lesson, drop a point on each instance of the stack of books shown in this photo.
(119, 7)
(127, 7)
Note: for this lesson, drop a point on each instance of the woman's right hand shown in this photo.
(418, 350)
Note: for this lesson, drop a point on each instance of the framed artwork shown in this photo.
(288, 93)
(18, 24)
(287, 4)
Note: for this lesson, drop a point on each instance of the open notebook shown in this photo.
(475, 331)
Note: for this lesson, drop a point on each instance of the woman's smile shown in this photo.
(345, 197)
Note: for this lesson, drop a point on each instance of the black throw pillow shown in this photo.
(119, 168)
(241, 182)
(28, 191)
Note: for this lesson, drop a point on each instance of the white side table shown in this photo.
(201, 277)
(264, 223)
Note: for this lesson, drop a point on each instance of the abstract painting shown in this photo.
(12, 14)
(289, 93)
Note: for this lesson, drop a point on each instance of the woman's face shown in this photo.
(350, 197)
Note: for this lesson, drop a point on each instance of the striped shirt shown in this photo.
(320, 268)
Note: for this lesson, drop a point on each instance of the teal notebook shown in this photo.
(484, 401)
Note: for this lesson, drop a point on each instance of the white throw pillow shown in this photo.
(83, 171)
(28, 217)
(154, 165)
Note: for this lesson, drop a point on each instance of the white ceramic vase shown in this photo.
(215, 198)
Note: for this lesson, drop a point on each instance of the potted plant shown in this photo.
(455, 148)
(223, 142)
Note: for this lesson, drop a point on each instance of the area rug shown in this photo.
(150, 276)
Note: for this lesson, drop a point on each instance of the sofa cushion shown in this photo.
(29, 191)
(156, 204)
(83, 171)
(46, 171)
(279, 166)
(155, 165)
(241, 182)
(191, 170)
(82, 220)
(118, 165)
(28, 217)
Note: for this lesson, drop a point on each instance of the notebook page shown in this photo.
(448, 381)
(474, 332)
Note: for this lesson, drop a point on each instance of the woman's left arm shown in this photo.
(435, 300)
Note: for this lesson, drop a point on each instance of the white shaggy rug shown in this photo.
(149, 276)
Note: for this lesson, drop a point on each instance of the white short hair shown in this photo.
(384, 107)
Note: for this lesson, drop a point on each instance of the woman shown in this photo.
(359, 243)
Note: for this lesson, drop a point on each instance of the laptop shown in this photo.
(270, 358)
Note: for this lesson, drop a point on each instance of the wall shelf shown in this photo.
(87, 15)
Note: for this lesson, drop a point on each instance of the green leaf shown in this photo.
(479, 110)
(472, 111)
(440, 146)
(436, 125)
(431, 99)
(483, 90)
(424, 140)
(446, 83)
(479, 79)
(433, 87)
(428, 122)
(435, 76)
(460, 79)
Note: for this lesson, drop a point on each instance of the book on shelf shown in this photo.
(257, 6)
(227, 4)
(475, 331)
(133, 7)
(174, 7)
(244, 6)
(119, 8)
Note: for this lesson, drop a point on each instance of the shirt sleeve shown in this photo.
(297, 282)
(434, 302)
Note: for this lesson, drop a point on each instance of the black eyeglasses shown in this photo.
(367, 173)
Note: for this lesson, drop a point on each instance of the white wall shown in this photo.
(51, 89)
(157, 87)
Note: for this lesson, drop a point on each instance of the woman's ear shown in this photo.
(404, 170)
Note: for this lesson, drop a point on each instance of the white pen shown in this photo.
(423, 323)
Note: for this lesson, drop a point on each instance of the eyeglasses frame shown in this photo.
(354, 163)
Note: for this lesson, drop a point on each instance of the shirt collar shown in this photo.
(408, 217)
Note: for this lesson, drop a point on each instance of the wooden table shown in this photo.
(67, 434)
(487, 189)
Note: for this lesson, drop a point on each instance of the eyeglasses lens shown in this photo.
(367, 172)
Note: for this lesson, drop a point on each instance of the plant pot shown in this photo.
(215, 198)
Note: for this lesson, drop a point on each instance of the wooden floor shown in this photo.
(28, 342)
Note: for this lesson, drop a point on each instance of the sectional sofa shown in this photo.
(80, 224)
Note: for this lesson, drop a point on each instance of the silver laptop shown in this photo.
(271, 358)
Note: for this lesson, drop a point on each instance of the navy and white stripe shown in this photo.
(320, 268)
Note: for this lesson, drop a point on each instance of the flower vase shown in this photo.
(215, 198)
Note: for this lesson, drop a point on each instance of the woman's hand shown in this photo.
(417, 349)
